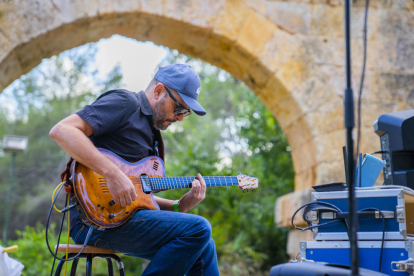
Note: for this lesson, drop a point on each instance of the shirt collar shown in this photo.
(145, 107)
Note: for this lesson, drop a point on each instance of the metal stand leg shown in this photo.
(61, 263)
(110, 267)
(59, 268)
(74, 267)
(120, 264)
(89, 265)
(89, 257)
(118, 261)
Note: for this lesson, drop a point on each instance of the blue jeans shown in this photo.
(176, 243)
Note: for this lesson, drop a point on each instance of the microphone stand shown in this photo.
(349, 126)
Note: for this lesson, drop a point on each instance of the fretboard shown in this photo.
(180, 182)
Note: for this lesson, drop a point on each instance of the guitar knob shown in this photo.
(111, 216)
(112, 202)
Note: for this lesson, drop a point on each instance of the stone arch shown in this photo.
(228, 34)
(290, 53)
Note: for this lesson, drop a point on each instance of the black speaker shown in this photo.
(396, 132)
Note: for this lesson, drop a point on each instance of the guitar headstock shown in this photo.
(247, 182)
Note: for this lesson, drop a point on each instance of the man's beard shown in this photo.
(159, 115)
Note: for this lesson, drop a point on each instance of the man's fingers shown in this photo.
(203, 183)
(128, 199)
(122, 201)
(196, 186)
(134, 196)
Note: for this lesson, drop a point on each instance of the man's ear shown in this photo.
(158, 91)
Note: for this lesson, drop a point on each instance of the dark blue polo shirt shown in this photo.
(120, 124)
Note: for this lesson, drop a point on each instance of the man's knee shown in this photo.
(203, 228)
(211, 246)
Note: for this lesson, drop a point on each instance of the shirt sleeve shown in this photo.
(109, 111)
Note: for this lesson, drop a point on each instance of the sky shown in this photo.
(138, 60)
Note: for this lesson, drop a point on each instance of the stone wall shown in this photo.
(290, 53)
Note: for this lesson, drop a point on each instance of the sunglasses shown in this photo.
(180, 110)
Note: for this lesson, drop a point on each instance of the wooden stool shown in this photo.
(89, 253)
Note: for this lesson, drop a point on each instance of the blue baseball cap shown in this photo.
(185, 81)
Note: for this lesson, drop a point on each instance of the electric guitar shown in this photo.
(97, 207)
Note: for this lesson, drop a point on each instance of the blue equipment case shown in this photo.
(397, 255)
(398, 202)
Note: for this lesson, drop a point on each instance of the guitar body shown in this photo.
(95, 202)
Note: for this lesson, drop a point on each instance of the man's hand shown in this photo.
(121, 188)
(194, 196)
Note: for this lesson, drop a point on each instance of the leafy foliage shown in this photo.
(37, 260)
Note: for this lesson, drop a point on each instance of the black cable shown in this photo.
(319, 225)
(379, 152)
(60, 232)
(319, 205)
(47, 240)
(362, 75)
(325, 206)
(383, 233)
(54, 259)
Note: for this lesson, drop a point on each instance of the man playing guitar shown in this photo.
(127, 123)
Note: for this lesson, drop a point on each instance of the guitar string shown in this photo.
(182, 182)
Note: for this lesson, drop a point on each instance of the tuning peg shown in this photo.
(252, 191)
(243, 191)
(247, 190)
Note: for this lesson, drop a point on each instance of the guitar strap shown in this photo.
(158, 143)
(65, 176)
(157, 147)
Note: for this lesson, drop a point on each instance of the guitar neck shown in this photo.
(181, 182)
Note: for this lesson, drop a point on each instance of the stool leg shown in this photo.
(74, 267)
(119, 263)
(110, 267)
(59, 268)
(89, 265)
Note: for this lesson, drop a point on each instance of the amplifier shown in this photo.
(396, 204)
(396, 132)
(397, 257)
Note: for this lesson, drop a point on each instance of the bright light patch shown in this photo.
(138, 60)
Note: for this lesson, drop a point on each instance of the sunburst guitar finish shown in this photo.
(97, 205)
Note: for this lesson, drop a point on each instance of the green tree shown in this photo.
(32, 105)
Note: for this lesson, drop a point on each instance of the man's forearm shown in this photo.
(165, 204)
(73, 141)
(72, 135)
